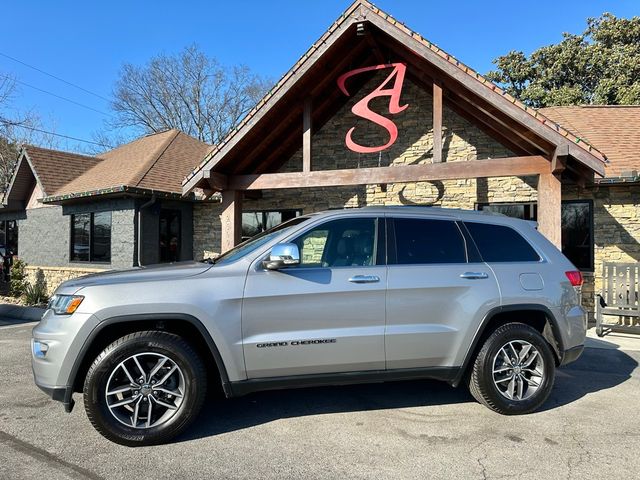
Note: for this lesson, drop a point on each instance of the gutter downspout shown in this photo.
(142, 207)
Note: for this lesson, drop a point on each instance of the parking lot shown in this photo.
(588, 428)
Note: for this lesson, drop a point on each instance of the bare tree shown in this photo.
(16, 129)
(188, 91)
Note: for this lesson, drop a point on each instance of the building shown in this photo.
(69, 215)
(372, 114)
(375, 114)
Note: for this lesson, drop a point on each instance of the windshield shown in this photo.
(253, 243)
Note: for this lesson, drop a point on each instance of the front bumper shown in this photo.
(55, 345)
(60, 394)
(571, 354)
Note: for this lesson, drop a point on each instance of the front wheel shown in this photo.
(514, 371)
(144, 388)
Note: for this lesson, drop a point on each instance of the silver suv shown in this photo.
(362, 295)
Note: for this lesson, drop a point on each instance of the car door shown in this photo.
(436, 296)
(325, 315)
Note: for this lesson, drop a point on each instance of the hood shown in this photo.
(171, 271)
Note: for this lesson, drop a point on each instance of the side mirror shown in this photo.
(282, 255)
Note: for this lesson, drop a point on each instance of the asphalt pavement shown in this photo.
(589, 428)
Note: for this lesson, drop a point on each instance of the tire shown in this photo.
(117, 370)
(501, 393)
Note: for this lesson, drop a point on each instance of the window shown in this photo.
(257, 222)
(428, 241)
(498, 243)
(170, 235)
(577, 233)
(339, 243)
(91, 237)
(8, 237)
(577, 227)
(523, 211)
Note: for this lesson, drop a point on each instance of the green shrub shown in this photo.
(18, 282)
(36, 293)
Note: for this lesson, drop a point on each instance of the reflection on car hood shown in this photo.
(149, 273)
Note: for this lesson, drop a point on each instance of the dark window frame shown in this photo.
(533, 205)
(91, 238)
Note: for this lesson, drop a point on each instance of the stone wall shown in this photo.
(54, 276)
(206, 230)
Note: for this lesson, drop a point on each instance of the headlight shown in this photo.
(65, 304)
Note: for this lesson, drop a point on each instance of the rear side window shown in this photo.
(498, 243)
(428, 241)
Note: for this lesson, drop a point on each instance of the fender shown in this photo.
(509, 308)
(68, 400)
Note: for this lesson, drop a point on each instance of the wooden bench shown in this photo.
(619, 298)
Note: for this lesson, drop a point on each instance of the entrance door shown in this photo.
(325, 315)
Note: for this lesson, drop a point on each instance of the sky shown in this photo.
(86, 43)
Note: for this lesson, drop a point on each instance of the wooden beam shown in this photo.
(437, 123)
(252, 194)
(559, 159)
(549, 208)
(231, 219)
(498, 167)
(217, 181)
(375, 47)
(306, 135)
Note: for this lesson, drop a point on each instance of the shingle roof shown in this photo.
(614, 130)
(55, 168)
(154, 162)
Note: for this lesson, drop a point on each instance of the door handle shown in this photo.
(474, 275)
(364, 279)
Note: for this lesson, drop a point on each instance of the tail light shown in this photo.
(575, 277)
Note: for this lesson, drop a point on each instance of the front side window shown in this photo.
(498, 243)
(420, 241)
(345, 242)
(91, 237)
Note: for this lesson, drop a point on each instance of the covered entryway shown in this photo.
(399, 111)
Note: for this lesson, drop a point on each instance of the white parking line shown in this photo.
(25, 324)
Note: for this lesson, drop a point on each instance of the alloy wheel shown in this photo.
(145, 390)
(518, 370)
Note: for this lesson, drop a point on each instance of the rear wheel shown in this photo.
(514, 371)
(144, 388)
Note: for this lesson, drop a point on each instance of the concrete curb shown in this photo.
(18, 312)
